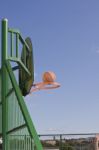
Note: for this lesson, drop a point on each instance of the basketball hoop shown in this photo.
(47, 83)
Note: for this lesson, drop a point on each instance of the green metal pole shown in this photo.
(4, 81)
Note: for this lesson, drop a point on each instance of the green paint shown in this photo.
(4, 81)
(16, 119)
(23, 107)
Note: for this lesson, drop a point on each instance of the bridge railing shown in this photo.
(70, 141)
(57, 141)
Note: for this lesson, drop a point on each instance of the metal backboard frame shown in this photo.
(7, 75)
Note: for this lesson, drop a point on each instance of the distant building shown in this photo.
(87, 143)
(97, 142)
(91, 143)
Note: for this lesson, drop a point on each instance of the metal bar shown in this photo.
(11, 44)
(13, 31)
(4, 81)
(10, 92)
(60, 143)
(15, 68)
(13, 116)
(15, 112)
(16, 129)
(24, 54)
(17, 44)
(40, 135)
(24, 43)
(23, 108)
(13, 59)
(24, 67)
(20, 63)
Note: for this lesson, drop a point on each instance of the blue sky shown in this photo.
(65, 36)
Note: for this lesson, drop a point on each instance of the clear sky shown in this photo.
(65, 36)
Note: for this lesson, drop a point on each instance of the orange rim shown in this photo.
(44, 86)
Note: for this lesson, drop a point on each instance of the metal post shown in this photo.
(60, 144)
(4, 81)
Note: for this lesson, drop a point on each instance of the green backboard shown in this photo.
(26, 81)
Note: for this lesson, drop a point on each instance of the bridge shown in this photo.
(81, 141)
